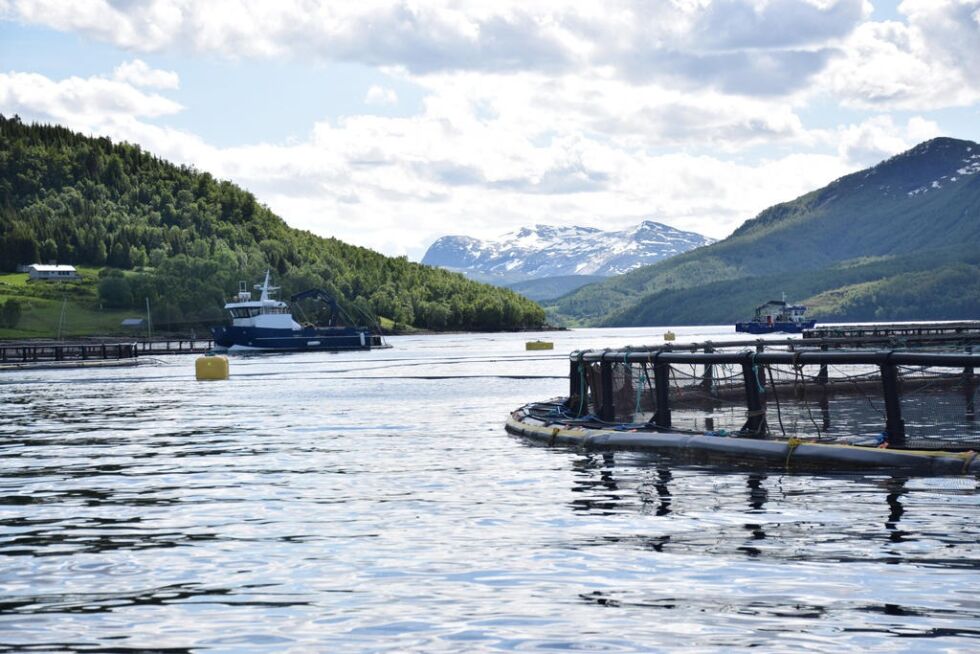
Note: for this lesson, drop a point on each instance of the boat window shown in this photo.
(244, 312)
(251, 312)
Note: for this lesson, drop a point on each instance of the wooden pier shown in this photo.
(19, 354)
(175, 346)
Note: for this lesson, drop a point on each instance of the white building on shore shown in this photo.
(52, 273)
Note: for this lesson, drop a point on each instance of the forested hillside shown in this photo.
(898, 241)
(188, 239)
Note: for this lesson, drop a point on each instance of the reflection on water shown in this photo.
(896, 487)
(354, 502)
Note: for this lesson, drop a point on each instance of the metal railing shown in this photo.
(643, 387)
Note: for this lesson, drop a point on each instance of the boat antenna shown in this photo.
(265, 288)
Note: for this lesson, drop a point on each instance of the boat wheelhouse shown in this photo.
(776, 316)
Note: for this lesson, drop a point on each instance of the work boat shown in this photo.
(267, 324)
(776, 316)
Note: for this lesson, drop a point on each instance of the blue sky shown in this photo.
(389, 124)
(231, 101)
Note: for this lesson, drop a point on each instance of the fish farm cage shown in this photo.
(823, 390)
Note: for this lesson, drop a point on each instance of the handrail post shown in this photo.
(661, 381)
(607, 410)
(894, 424)
(575, 389)
(707, 380)
(755, 422)
(969, 388)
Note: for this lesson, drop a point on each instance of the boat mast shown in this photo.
(264, 288)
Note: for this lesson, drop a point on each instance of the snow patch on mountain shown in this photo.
(972, 167)
(550, 251)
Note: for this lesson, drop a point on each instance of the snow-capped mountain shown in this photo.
(548, 251)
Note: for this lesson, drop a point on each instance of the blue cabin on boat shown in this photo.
(776, 316)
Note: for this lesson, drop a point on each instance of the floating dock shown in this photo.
(790, 456)
(795, 404)
(915, 332)
(42, 353)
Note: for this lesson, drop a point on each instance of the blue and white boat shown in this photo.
(776, 316)
(267, 324)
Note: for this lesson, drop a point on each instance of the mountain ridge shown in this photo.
(546, 251)
(917, 204)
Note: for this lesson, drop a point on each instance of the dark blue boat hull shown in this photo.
(331, 339)
(752, 327)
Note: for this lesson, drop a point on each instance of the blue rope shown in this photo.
(755, 373)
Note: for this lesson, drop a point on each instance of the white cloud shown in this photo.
(81, 102)
(142, 26)
(792, 24)
(927, 63)
(380, 95)
(138, 73)
(951, 28)
(689, 112)
(487, 154)
(879, 137)
(738, 46)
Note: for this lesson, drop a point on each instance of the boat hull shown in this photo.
(330, 339)
(751, 327)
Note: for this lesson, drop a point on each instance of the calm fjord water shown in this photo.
(373, 502)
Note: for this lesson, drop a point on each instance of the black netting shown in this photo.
(939, 408)
(824, 402)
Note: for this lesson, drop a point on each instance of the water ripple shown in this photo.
(372, 502)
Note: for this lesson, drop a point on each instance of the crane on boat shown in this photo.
(324, 297)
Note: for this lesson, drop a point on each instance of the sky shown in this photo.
(390, 124)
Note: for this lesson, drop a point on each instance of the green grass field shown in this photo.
(68, 309)
(72, 309)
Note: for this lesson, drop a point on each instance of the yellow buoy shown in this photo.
(211, 367)
(539, 345)
(669, 336)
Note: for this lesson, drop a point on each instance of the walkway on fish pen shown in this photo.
(40, 353)
(768, 397)
(921, 333)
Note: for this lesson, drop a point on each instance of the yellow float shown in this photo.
(539, 345)
(211, 367)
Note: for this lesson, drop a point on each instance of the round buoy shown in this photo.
(211, 367)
